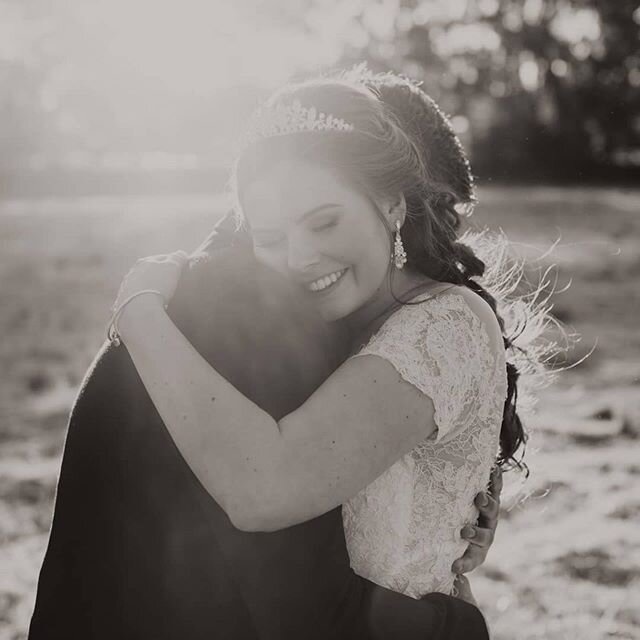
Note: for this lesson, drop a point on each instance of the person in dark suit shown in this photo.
(138, 549)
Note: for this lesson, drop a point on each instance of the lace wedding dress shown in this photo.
(403, 530)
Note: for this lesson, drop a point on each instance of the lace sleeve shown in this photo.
(442, 348)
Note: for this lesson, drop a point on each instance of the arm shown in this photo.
(340, 440)
(227, 340)
(436, 616)
(117, 555)
(337, 442)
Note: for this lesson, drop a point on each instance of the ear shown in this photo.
(395, 209)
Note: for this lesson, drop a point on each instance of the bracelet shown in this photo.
(113, 335)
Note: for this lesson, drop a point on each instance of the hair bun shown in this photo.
(423, 120)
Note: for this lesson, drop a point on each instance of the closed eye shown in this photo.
(325, 226)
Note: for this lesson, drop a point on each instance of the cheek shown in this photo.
(372, 254)
(362, 244)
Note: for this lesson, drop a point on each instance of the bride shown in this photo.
(337, 192)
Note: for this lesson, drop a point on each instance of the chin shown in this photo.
(337, 311)
(342, 305)
(331, 315)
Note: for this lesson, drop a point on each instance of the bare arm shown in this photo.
(266, 474)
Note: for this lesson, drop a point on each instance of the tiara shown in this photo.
(269, 122)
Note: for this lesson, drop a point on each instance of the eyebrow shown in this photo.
(308, 214)
(329, 205)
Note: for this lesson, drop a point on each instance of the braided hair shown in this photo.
(430, 233)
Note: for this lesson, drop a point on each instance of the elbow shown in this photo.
(259, 513)
(250, 523)
(245, 519)
(262, 500)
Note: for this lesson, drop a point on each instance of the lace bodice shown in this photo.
(403, 530)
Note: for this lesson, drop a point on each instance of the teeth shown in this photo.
(324, 282)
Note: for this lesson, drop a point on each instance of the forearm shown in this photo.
(228, 441)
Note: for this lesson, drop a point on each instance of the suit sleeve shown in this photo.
(78, 552)
(435, 617)
(129, 553)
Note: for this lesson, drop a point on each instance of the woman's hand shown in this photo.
(159, 273)
(481, 535)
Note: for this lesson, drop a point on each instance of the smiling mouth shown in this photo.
(326, 282)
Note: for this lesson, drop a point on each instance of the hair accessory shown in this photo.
(279, 120)
(399, 254)
(112, 328)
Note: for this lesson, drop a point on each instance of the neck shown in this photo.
(381, 304)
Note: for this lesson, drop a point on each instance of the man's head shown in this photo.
(256, 329)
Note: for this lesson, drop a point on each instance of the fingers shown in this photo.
(480, 540)
(495, 484)
(489, 509)
(159, 273)
(478, 536)
(488, 503)
(180, 256)
(481, 535)
(472, 558)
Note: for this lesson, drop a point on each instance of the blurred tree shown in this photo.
(548, 89)
(540, 89)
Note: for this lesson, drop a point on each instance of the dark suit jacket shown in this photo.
(138, 549)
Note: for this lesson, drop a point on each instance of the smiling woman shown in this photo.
(351, 194)
(267, 242)
(402, 434)
(338, 250)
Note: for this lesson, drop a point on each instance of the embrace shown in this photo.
(297, 431)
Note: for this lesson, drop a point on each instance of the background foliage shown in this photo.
(538, 89)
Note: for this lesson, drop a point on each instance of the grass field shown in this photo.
(566, 561)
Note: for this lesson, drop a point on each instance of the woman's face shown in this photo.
(320, 232)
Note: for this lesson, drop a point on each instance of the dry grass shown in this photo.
(564, 564)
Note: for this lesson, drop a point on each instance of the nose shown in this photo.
(302, 253)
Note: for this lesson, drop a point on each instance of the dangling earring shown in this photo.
(399, 254)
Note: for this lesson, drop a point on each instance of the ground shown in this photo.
(566, 561)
